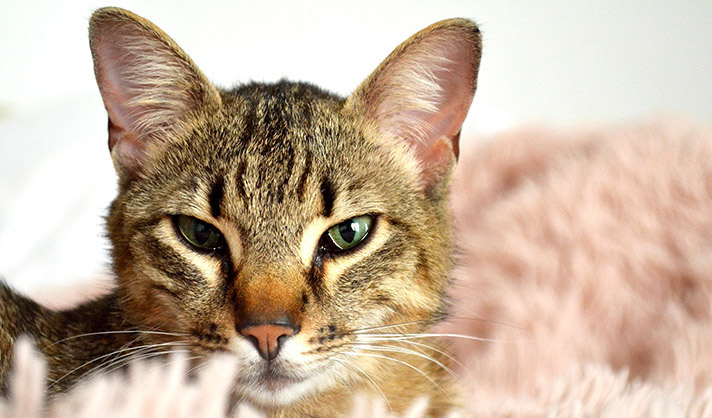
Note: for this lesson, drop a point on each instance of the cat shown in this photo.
(305, 234)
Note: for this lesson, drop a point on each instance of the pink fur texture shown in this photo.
(587, 258)
(585, 267)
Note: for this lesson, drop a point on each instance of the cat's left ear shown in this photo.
(151, 89)
(421, 94)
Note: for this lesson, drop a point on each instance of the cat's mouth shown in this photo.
(271, 384)
(274, 379)
(275, 391)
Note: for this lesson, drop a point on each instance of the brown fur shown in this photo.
(272, 167)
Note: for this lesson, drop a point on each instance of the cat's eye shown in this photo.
(350, 233)
(200, 235)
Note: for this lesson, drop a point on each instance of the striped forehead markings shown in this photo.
(328, 196)
(289, 167)
(215, 197)
(301, 186)
(240, 178)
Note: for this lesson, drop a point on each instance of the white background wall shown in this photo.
(555, 62)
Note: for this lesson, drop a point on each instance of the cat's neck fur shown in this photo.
(73, 340)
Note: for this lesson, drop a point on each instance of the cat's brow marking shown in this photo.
(239, 178)
(303, 179)
(215, 197)
(328, 195)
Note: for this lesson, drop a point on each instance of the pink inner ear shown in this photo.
(423, 95)
(455, 80)
(149, 86)
(114, 63)
(125, 141)
(435, 158)
(126, 147)
(111, 56)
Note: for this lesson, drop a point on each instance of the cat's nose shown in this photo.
(268, 338)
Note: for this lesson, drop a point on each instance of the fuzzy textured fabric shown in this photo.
(584, 265)
(586, 262)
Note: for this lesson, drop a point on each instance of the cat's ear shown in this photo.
(150, 87)
(421, 93)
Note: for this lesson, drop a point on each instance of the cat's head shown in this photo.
(279, 222)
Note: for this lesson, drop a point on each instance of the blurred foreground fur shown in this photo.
(585, 259)
(150, 390)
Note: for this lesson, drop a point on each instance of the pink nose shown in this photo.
(268, 338)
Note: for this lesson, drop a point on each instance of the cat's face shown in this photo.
(279, 223)
(274, 190)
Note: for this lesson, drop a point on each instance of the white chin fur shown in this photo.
(261, 393)
(263, 396)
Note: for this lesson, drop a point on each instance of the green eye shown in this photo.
(350, 233)
(199, 234)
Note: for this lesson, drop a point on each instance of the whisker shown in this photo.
(117, 352)
(424, 321)
(113, 353)
(474, 316)
(417, 336)
(126, 358)
(93, 334)
(464, 337)
(403, 350)
(437, 350)
(121, 361)
(370, 379)
(186, 359)
(434, 320)
(355, 353)
(92, 361)
(145, 357)
(196, 368)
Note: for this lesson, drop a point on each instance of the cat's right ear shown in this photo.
(420, 95)
(151, 89)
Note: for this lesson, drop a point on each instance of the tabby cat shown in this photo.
(305, 234)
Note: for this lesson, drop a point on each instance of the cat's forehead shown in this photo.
(280, 154)
(270, 122)
(283, 105)
(275, 128)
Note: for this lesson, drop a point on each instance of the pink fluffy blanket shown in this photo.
(584, 265)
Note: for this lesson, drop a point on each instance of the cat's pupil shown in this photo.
(348, 234)
(348, 230)
(202, 233)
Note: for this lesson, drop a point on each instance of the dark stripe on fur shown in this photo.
(289, 166)
(301, 186)
(328, 195)
(315, 279)
(216, 196)
(240, 179)
(170, 263)
(227, 269)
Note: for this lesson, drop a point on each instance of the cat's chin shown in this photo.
(279, 386)
(277, 391)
